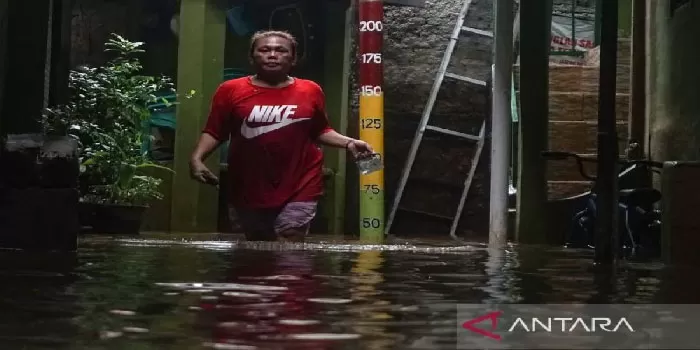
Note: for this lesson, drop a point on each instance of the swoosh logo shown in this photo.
(252, 132)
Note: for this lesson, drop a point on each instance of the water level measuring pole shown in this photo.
(501, 121)
(371, 123)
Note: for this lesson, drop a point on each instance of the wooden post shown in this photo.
(606, 233)
(336, 82)
(625, 19)
(636, 120)
(25, 64)
(4, 18)
(200, 69)
(60, 51)
(535, 33)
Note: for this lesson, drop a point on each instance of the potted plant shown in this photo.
(106, 113)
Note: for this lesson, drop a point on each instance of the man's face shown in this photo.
(274, 55)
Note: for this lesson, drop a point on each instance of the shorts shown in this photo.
(268, 223)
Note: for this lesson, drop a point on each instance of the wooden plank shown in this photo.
(200, 63)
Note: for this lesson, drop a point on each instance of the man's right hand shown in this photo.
(200, 172)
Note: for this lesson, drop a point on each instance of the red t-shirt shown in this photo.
(273, 157)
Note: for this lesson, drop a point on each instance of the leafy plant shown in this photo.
(107, 113)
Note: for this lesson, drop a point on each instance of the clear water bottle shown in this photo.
(370, 164)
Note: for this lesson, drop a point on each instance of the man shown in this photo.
(275, 122)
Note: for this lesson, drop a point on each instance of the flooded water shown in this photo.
(196, 294)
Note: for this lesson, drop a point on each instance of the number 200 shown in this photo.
(371, 26)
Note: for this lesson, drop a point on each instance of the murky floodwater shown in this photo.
(198, 294)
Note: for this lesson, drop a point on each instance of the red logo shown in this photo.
(493, 316)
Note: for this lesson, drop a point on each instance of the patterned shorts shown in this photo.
(268, 223)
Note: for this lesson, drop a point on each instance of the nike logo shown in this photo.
(279, 116)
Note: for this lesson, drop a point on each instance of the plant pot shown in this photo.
(118, 219)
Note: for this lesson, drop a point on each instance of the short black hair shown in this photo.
(268, 33)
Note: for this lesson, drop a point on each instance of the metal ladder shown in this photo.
(423, 125)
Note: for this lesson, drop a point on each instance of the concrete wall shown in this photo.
(674, 76)
(415, 40)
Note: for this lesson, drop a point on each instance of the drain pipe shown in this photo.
(501, 121)
(371, 123)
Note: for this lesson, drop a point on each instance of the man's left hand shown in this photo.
(360, 149)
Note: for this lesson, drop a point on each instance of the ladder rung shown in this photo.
(425, 213)
(453, 133)
(478, 31)
(467, 79)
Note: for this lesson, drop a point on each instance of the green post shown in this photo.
(624, 20)
(335, 84)
(200, 66)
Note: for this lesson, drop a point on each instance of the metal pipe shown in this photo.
(371, 28)
(606, 236)
(636, 119)
(501, 121)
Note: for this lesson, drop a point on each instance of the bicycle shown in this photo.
(640, 224)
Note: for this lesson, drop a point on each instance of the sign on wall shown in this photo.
(563, 38)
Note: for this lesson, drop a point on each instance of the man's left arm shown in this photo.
(325, 135)
(333, 138)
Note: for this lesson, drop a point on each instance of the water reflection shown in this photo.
(37, 299)
(365, 290)
(154, 294)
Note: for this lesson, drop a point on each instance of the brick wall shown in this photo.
(573, 118)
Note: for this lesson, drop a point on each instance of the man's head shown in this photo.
(273, 52)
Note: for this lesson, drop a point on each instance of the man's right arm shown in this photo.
(216, 130)
(205, 146)
(217, 127)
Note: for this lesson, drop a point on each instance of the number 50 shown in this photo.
(371, 223)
